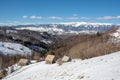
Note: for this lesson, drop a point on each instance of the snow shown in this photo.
(77, 24)
(65, 28)
(51, 30)
(105, 67)
(47, 41)
(117, 33)
(11, 31)
(12, 68)
(13, 48)
(33, 61)
(55, 30)
(41, 29)
(116, 36)
(82, 32)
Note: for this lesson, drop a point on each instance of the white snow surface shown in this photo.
(116, 34)
(105, 67)
(76, 24)
(41, 29)
(13, 48)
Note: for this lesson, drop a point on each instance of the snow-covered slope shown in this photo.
(13, 48)
(71, 27)
(115, 36)
(99, 68)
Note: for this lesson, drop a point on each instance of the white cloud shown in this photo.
(106, 18)
(85, 18)
(55, 17)
(35, 17)
(10, 23)
(75, 15)
(13, 23)
(25, 17)
(72, 18)
(118, 17)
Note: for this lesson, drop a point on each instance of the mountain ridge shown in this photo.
(71, 27)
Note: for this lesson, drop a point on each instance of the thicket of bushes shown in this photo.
(85, 46)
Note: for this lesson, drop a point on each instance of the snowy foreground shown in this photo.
(13, 49)
(99, 68)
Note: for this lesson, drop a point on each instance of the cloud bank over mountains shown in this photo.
(74, 17)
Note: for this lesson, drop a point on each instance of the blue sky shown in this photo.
(56, 11)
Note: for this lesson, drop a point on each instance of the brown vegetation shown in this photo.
(85, 46)
(9, 60)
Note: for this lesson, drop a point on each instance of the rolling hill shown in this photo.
(98, 68)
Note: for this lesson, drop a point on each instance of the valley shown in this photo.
(34, 44)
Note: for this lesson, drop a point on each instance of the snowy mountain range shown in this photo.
(71, 27)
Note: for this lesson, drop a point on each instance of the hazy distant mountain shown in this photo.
(71, 27)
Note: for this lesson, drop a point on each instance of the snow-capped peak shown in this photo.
(77, 24)
(77, 27)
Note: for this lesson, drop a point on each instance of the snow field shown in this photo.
(105, 67)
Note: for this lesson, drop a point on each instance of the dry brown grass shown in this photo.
(93, 47)
(85, 46)
(9, 60)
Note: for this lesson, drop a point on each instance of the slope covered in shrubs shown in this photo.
(86, 46)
